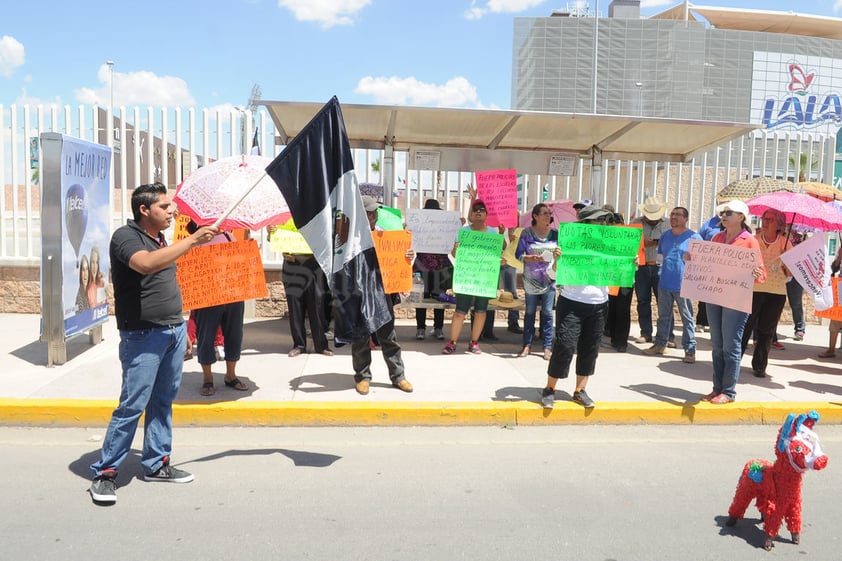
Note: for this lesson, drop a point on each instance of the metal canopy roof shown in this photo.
(512, 137)
(788, 23)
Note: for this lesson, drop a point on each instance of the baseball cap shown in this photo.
(594, 213)
(736, 206)
(582, 204)
(370, 203)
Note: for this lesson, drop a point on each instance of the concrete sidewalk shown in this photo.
(494, 388)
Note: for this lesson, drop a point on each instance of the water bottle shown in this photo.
(416, 296)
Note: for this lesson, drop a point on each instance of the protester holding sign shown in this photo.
(651, 217)
(361, 348)
(465, 300)
(148, 312)
(769, 298)
(727, 324)
(437, 273)
(227, 318)
(580, 321)
(538, 248)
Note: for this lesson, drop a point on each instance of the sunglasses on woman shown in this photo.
(728, 213)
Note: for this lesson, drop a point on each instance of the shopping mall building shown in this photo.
(779, 70)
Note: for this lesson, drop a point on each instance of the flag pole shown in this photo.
(236, 203)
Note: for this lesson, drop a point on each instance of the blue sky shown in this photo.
(186, 53)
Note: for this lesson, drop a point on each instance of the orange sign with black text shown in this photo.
(216, 274)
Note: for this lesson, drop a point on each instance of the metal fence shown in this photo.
(167, 144)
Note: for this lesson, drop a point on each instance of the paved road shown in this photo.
(479, 493)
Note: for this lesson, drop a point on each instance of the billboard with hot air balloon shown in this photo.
(85, 233)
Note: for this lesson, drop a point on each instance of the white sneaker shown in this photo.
(329, 335)
(419, 333)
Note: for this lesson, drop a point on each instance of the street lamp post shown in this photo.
(639, 86)
(110, 64)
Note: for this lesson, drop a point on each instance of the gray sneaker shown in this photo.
(169, 474)
(548, 398)
(419, 333)
(582, 398)
(438, 334)
(103, 488)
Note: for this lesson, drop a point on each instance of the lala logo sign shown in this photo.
(803, 109)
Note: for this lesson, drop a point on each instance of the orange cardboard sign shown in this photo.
(180, 229)
(835, 312)
(391, 247)
(211, 275)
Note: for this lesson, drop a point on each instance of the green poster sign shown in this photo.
(597, 255)
(837, 173)
(389, 218)
(477, 268)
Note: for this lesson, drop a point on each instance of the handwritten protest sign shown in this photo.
(834, 312)
(596, 255)
(389, 218)
(477, 268)
(433, 231)
(287, 239)
(720, 274)
(808, 264)
(498, 190)
(180, 229)
(391, 247)
(211, 275)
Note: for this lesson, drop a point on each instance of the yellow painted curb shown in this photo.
(69, 412)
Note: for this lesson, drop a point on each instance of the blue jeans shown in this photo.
(666, 320)
(547, 300)
(726, 333)
(508, 275)
(152, 360)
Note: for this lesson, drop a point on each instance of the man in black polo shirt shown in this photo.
(147, 304)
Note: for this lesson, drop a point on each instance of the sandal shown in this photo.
(721, 399)
(236, 384)
(207, 389)
(827, 354)
(524, 353)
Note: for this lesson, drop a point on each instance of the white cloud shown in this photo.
(646, 4)
(25, 99)
(476, 11)
(12, 55)
(326, 12)
(456, 92)
(137, 88)
(837, 6)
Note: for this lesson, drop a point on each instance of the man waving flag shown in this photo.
(315, 174)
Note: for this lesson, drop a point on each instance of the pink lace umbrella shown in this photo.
(233, 193)
(562, 210)
(799, 208)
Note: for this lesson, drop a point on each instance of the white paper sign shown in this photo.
(720, 274)
(808, 264)
(433, 231)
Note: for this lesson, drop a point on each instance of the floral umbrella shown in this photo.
(799, 208)
(745, 189)
(820, 190)
(233, 193)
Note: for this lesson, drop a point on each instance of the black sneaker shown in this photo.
(103, 488)
(582, 398)
(169, 474)
(548, 398)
